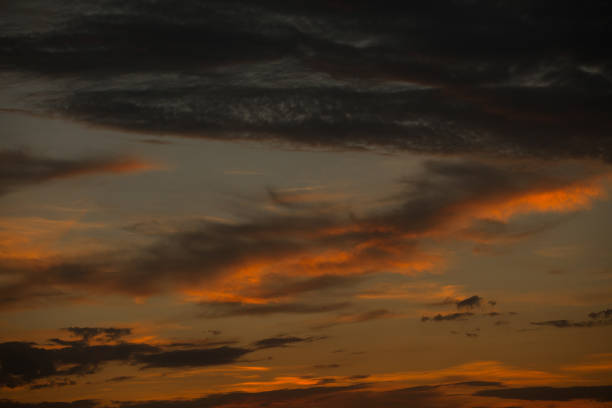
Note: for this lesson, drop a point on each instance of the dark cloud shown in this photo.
(486, 231)
(275, 286)
(25, 363)
(51, 384)
(192, 358)
(355, 396)
(226, 309)
(451, 316)
(107, 333)
(514, 78)
(596, 393)
(120, 378)
(598, 319)
(281, 341)
(348, 318)
(469, 303)
(74, 404)
(19, 169)
(480, 383)
(604, 314)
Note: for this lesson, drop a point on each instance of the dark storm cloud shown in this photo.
(20, 169)
(290, 241)
(597, 393)
(504, 78)
(598, 319)
(226, 309)
(25, 363)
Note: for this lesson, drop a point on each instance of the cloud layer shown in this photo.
(314, 246)
(511, 79)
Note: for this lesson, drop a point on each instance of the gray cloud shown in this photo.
(282, 341)
(226, 309)
(451, 316)
(191, 357)
(598, 319)
(510, 80)
(19, 169)
(469, 303)
(108, 333)
(605, 314)
(597, 393)
(349, 318)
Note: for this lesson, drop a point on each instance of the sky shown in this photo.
(223, 204)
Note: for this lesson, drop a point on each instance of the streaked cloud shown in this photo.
(19, 169)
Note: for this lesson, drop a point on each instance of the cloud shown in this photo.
(598, 319)
(348, 318)
(192, 358)
(226, 309)
(281, 341)
(20, 169)
(451, 316)
(74, 404)
(26, 363)
(351, 396)
(108, 333)
(596, 393)
(325, 397)
(313, 248)
(602, 314)
(22, 363)
(314, 76)
(329, 366)
(54, 383)
(469, 303)
(120, 378)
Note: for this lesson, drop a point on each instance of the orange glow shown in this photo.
(127, 165)
(572, 198)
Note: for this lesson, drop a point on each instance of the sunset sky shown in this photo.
(240, 204)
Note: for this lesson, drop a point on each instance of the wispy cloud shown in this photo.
(19, 169)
